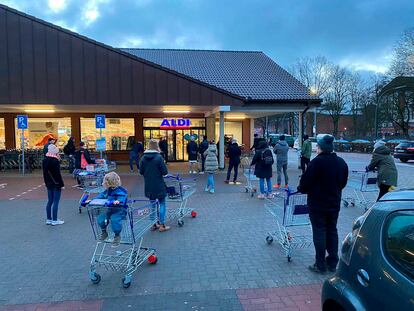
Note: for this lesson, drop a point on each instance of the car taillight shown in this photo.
(410, 149)
(349, 241)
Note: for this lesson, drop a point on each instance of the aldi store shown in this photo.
(61, 80)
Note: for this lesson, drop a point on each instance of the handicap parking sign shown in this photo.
(100, 121)
(22, 122)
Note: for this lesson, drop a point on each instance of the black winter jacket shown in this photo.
(234, 153)
(203, 147)
(153, 168)
(192, 150)
(78, 155)
(261, 169)
(51, 173)
(323, 181)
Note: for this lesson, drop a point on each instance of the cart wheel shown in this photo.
(180, 222)
(193, 214)
(252, 194)
(269, 239)
(97, 279)
(247, 190)
(153, 259)
(289, 259)
(125, 285)
(80, 210)
(353, 204)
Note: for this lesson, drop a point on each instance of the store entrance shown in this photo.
(176, 140)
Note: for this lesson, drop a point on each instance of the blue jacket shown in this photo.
(118, 193)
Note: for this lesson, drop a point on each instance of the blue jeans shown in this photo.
(53, 198)
(162, 209)
(210, 181)
(262, 185)
(133, 157)
(115, 216)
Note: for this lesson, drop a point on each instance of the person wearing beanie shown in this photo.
(153, 168)
(305, 153)
(383, 162)
(54, 184)
(323, 182)
(234, 153)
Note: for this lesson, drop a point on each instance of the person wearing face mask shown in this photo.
(323, 181)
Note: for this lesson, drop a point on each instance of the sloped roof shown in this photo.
(249, 74)
(398, 84)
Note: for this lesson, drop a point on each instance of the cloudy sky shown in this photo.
(359, 34)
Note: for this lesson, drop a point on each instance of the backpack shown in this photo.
(267, 157)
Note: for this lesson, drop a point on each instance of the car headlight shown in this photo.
(349, 241)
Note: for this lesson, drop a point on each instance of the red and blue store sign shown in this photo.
(175, 124)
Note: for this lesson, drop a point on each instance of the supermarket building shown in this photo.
(61, 80)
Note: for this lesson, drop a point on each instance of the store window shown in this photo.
(399, 242)
(2, 135)
(119, 133)
(231, 130)
(41, 129)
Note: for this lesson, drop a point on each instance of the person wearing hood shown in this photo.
(54, 184)
(323, 182)
(153, 168)
(263, 161)
(211, 165)
(281, 150)
(234, 153)
(387, 171)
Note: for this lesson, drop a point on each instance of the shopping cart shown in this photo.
(179, 190)
(292, 219)
(104, 165)
(141, 215)
(251, 180)
(361, 189)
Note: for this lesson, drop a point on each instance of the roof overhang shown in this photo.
(398, 84)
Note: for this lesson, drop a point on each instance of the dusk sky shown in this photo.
(359, 34)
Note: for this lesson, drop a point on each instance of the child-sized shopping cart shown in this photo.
(251, 180)
(292, 220)
(361, 189)
(140, 216)
(179, 190)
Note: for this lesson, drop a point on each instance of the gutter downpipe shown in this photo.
(300, 136)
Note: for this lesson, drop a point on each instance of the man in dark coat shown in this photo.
(163, 144)
(203, 148)
(153, 168)
(263, 161)
(135, 155)
(323, 181)
(234, 153)
(192, 151)
(69, 151)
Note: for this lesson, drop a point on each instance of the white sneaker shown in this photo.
(190, 172)
(194, 172)
(48, 222)
(57, 222)
(201, 173)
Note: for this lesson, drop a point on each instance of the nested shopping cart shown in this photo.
(251, 180)
(293, 229)
(89, 183)
(104, 165)
(140, 216)
(179, 190)
(361, 189)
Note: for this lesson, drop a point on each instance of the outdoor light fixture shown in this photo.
(39, 110)
(235, 118)
(176, 111)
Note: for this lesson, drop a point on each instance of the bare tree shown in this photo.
(356, 94)
(337, 96)
(403, 59)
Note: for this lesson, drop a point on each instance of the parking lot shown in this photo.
(216, 261)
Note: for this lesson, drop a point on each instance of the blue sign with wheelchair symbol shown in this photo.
(100, 121)
(22, 123)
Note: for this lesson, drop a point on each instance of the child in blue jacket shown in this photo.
(115, 214)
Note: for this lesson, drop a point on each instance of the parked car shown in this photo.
(362, 145)
(274, 138)
(313, 141)
(376, 268)
(342, 145)
(404, 151)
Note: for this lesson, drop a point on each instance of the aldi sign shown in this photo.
(175, 124)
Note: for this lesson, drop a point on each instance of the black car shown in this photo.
(376, 270)
(404, 151)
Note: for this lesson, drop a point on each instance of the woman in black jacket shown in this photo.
(263, 159)
(54, 184)
(79, 164)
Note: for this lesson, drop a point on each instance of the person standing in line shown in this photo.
(192, 151)
(134, 155)
(281, 150)
(305, 153)
(82, 157)
(387, 171)
(263, 161)
(203, 148)
(153, 168)
(50, 140)
(234, 154)
(256, 141)
(54, 184)
(69, 151)
(163, 144)
(323, 182)
(211, 165)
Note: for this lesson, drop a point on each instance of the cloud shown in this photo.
(378, 64)
(91, 11)
(57, 6)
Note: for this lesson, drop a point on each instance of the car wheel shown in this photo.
(404, 160)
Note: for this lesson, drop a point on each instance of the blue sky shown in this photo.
(359, 34)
